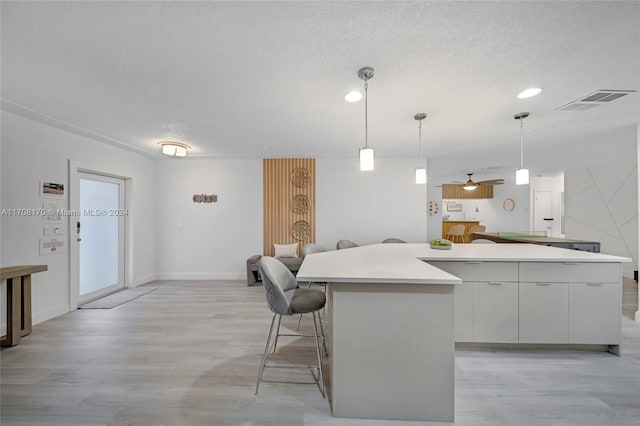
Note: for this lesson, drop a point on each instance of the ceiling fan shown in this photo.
(470, 185)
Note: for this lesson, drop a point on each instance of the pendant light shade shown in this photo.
(522, 174)
(366, 159)
(522, 177)
(366, 153)
(421, 171)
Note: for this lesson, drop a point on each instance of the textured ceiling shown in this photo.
(267, 79)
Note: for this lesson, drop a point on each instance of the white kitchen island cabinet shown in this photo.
(395, 309)
(536, 295)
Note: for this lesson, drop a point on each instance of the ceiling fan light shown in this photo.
(522, 176)
(421, 176)
(469, 186)
(366, 159)
(529, 93)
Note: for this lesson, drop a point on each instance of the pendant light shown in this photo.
(366, 153)
(522, 174)
(421, 172)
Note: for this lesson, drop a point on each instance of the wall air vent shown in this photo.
(593, 100)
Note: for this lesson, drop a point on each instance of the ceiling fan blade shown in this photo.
(492, 182)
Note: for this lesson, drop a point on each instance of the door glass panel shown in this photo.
(99, 230)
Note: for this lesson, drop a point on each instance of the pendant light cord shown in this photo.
(521, 144)
(419, 143)
(366, 123)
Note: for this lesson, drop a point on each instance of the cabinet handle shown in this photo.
(569, 263)
(544, 284)
(473, 262)
(595, 284)
(495, 283)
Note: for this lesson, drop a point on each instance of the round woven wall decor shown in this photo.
(301, 230)
(300, 204)
(300, 177)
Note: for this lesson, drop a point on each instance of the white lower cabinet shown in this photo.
(537, 302)
(544, 312)
(464, 312)
(595, 313)
(495, 312)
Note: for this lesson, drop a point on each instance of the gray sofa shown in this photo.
(253, 275)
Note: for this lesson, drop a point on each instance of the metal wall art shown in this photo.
(205, 198)
(300, 204)
(301, 230)
(300, 177)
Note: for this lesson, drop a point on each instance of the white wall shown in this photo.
(601, 204)
(32, 151)
(367, 207)
(207, 240)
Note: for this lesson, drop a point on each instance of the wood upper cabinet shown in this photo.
(454, 192)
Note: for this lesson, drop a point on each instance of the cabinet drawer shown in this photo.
(480, 271)
(569, 272)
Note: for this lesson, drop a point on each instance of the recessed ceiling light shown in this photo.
(529, 93)
(353, 96)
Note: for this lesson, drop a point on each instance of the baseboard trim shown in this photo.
(142, 280)
(50, 313)
(201, 276)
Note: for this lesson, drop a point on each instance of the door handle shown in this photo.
(78, 239)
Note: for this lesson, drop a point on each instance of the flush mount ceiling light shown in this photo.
(353, 96)
(529, 93)
(522, 174)
(174, 149)
(421, 172)
(366, 153)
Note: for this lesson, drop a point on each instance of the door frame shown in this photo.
(74, 207)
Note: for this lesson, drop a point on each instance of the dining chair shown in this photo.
(456, 231)
(285, 297)
(475, 228)
(482, 241)
(345, 244)
(393, 240)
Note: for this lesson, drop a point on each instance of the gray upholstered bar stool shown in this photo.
(284, 297)
(310, 249)
(345, 244)
(393, 240)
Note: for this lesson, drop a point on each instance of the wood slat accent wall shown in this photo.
(278, 191)
(454, 192)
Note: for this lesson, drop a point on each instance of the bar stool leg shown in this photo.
(275, 343)
(315, 328)
(264, 356)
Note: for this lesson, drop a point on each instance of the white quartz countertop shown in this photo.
(407, 263)
(379, 263)
(516, 252)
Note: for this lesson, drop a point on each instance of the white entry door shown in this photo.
(543, 212)
(99, 230)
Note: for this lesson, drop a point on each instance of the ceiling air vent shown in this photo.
(594, 99)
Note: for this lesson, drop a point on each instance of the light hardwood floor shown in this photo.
(188, 354)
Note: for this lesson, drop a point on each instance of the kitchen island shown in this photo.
(392, 318)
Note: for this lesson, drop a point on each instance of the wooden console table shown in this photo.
(18, 301)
